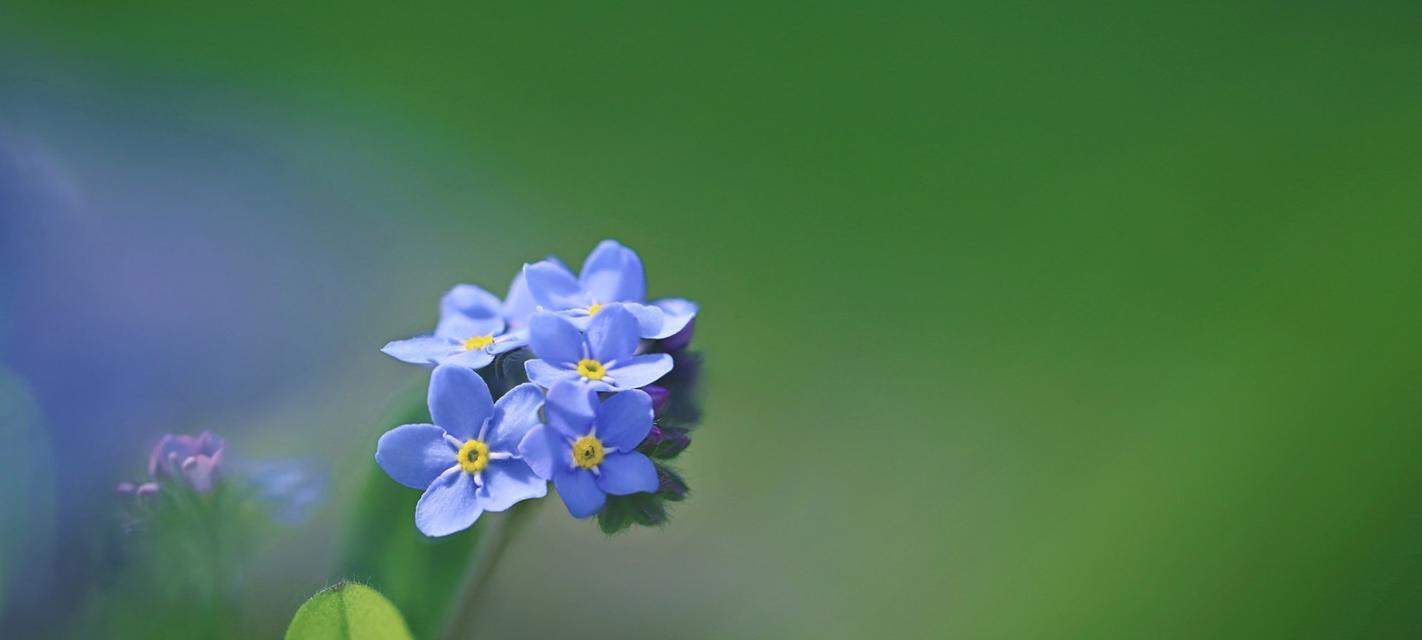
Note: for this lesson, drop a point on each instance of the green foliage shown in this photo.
(26, 497)
(348, 611)
(621, 512)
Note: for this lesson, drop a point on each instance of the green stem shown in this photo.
(491, 548)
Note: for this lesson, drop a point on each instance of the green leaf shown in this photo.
(348, 611)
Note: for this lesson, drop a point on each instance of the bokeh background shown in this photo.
(1022, 320)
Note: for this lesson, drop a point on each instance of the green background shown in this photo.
(1022, 319)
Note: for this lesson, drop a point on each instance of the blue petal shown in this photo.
(624, 473)
(449, 504)
(546, 375)
(613, 334)
(580, 319)
(613, 273)
(421, 350)
(571, 408)
(545, 451)
(678, 312)
(414, 454)
(579, 491)
(514, 415)
(624, 419)
(459, 401)
(509, 341)
(519, 305)
(649, 318)
(461, 328)
(597, 385)
(640, 370)
(555, 339)
(553, 286)
(470, 359)
(471, 302)
(507, 482)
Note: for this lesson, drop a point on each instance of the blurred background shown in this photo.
(1090, 320)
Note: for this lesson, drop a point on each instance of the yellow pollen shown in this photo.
(594, 308)
(474, 456)
(478, 342)
(587, 452)
(591, 369)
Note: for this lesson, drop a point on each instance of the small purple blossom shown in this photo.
(468, 461)
(474, 327)
(588, 447)
(611, 273)
(604, 359)
(195, 461)
(140, 491)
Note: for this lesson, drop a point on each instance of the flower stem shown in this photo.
(501, 531)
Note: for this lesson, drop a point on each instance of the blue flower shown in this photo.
(604, 358)
(588, 448)
(474, 326)
(611, 273)
(468, 460)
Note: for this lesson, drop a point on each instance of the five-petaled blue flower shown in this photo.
(611, 273)
(474, 326)
(468, 460)
(588, 448)
(604, 359)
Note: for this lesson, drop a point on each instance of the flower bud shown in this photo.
(141, 491)
(671, 486)
(660, 395)
(665, 442)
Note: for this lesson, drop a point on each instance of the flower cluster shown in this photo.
(591, 388)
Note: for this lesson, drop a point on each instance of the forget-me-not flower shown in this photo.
(588, 448)
(474, 326)
(611, 273)
(604, 359)
(468, 460)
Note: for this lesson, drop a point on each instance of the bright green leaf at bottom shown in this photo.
(348, 611)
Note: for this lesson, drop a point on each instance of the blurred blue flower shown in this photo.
(287, 487)
(467, 461)
(588, 448)
(605, 358)
(474, 326)
(611, 273)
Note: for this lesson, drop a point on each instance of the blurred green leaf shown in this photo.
(26, 494)
(347, 611)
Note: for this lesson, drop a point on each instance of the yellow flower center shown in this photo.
(587, 452)
(474, 456)
(594, 308)
(478, 342)
(591, 369)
